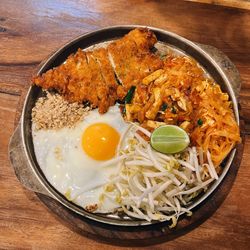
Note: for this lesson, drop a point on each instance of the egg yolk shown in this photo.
(99, 141)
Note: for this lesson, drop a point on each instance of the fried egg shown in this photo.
(73, 159)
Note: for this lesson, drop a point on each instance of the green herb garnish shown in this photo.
(199, 122)
(164, 106)
(130, 94)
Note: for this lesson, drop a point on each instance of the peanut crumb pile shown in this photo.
(54, 112)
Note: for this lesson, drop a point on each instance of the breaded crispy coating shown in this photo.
(132, 59)
(104, 75)
(81, 79)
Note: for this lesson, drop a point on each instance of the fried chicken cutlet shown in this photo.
(104, 75)
(132, 59)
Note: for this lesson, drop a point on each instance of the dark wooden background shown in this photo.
(30, 30)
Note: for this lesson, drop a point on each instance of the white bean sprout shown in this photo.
(155, 186)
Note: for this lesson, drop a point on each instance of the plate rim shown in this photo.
(93, 216)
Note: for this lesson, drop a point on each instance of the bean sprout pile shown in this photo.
(153, 186)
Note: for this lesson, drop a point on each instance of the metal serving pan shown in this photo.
(21, 148)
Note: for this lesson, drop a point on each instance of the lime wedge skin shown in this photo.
(169, 139)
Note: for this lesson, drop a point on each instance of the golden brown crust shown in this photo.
(90, 76)
(132, 58)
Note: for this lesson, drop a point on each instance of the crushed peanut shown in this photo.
(54, 112)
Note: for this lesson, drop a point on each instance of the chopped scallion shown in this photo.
(199, 122)
(164, 106)
(130, 94)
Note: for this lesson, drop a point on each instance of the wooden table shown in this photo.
(31, 30)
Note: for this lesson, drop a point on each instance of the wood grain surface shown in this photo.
(31, 30)
(243, 4)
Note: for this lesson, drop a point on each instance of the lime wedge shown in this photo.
(169, 139)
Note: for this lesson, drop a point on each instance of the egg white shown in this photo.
(73, 173)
